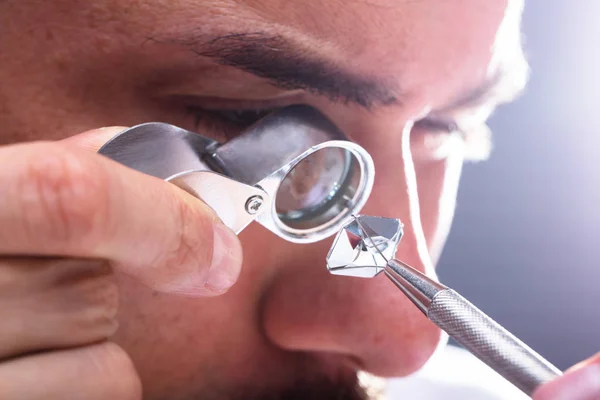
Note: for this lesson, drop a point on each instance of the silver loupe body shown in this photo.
(293, 171)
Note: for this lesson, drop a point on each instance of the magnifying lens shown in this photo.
(293, 171)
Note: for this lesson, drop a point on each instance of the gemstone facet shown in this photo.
(363, 246)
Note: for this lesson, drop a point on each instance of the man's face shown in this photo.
(371, 66)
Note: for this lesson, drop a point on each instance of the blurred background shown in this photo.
(525, 245)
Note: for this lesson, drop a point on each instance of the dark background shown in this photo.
(525, 245)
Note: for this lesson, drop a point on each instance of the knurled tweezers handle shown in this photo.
(490, 342)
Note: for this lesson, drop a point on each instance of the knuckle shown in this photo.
(62, 193)
(190, 249)
(63, 302)
(114, 365)
(94, 301)
(194, 242)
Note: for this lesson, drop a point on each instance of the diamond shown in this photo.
(363, 246)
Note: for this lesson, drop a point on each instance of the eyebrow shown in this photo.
(290, 67)
(476, 96)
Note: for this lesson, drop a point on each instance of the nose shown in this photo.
(367, 320)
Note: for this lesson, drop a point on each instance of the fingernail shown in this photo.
(227, 259)
(578, 384)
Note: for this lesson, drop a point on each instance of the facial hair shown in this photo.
(365, 387)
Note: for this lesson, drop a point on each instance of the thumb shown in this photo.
(580, 382)
(182, 248)
(93, 139)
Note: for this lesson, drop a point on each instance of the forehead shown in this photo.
(394, 29)
(430, 50)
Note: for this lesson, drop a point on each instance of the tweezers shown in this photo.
(465, 323)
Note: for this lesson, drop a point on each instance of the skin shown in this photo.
(132, 251)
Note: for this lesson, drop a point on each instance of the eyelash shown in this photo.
(437, 125)
(226, 124)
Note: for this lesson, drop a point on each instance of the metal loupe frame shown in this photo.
(240, 179)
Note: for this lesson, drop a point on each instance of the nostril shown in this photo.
(404, 351)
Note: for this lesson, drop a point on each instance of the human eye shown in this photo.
(436, 125)
(440, 136)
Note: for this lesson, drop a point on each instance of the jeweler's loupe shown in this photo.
(292, 171)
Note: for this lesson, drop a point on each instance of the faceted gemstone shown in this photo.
(363, 246)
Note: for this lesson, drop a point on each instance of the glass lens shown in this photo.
(315, 186)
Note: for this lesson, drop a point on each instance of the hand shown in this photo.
(69, 218)
(580, 382)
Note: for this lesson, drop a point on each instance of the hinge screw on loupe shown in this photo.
(253, 204)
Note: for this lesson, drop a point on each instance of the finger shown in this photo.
(58, 200)
(55, 303)
(581, 382)
(98, 372)
(94, 139)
